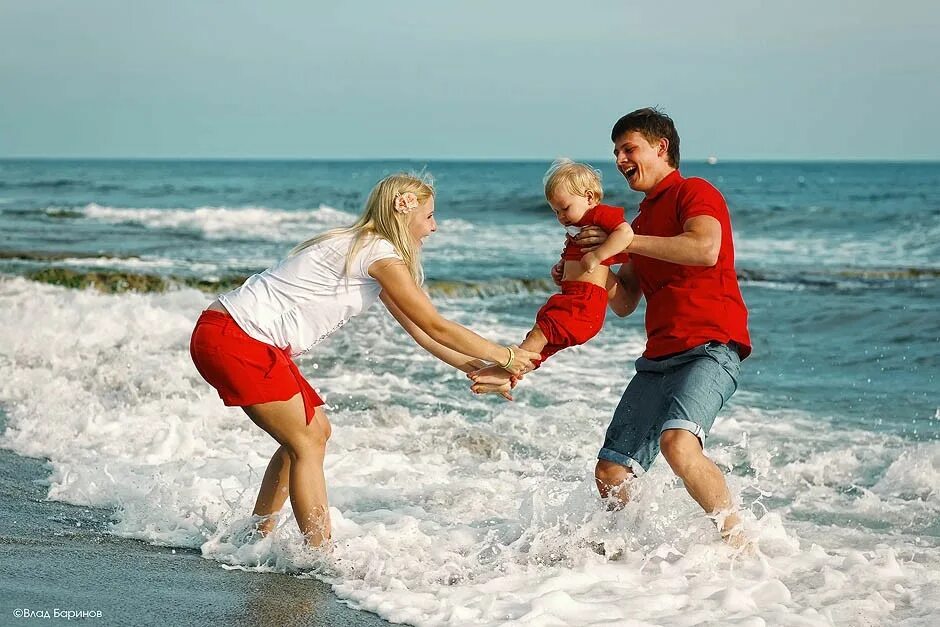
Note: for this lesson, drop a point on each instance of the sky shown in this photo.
(503, 79)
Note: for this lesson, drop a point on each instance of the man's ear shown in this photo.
(663, 146)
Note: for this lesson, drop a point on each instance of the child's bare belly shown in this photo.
(574, 272)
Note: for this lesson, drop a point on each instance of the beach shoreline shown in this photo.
(58, 557)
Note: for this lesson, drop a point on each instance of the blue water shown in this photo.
(841, 261)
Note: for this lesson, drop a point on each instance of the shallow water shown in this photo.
(454, 509)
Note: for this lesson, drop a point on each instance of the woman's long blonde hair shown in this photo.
(380, 219)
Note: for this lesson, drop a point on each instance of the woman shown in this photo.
(243, 343)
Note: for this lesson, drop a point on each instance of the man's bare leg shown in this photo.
(613, 483)
(703, 480)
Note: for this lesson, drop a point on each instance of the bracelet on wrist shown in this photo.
(512, 357)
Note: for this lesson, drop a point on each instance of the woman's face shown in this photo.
(422, 222)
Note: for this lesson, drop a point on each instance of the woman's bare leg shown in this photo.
(275, 488)
(306, 447)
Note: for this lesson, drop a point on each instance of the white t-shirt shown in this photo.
(306, 297)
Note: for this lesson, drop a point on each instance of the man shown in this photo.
(682, 262)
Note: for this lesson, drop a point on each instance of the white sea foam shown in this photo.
(138, 264)
(462, 241)
(228, 222)
(915, 247)
(450, 509)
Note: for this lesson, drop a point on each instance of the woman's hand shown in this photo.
(523, 361)
(590, 238)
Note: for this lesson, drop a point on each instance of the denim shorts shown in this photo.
(684, 391)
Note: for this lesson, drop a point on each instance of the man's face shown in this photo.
(643, 164)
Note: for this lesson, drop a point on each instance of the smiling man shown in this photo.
(682, 262)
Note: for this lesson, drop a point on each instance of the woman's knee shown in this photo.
(316, 434)
(324, 429)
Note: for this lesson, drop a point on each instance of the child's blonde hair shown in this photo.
(577, 178)
(379, 218)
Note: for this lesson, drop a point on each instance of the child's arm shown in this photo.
(448, 356)
(615, 243)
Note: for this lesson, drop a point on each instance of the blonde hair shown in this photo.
(380, 219)
(578, 179)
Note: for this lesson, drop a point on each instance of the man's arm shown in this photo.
(623, 290)
(697, 245)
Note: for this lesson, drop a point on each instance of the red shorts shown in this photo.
(572, 317)
(243, 370)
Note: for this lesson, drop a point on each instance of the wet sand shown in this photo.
(59, 556)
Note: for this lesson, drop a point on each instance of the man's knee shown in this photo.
(611, 474)
(681, 449)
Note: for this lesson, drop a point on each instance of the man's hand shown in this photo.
(590, 238)
(558, 271)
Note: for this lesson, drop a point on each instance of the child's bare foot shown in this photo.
(491, 375)
(503, 390)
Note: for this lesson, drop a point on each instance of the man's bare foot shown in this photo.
(737, 539)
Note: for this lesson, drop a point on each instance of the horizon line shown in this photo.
(698, 160)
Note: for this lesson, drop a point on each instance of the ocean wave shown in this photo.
(43, 184)
(226, 222)
(841, 278)
(442, 520)
(35, 255)
(113, 280)
(61, 185)
(890, 248)
(118, 281)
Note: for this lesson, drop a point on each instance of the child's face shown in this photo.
(570, 208)
(422, 222)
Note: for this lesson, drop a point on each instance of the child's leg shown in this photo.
(493, 378)
(274, 490)
(570, 318)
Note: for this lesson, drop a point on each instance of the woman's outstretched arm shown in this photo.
(398, 286)
(453, 358)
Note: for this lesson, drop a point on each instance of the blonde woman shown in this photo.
(244, 342)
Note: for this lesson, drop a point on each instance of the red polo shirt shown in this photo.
(688, 305)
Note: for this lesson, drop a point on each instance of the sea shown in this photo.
(455, 509)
